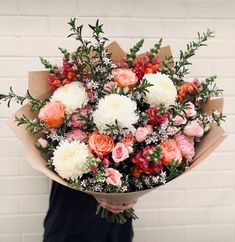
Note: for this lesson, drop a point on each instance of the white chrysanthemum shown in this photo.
(69, 159)
(163, 90)
(115, 107)
(72, 95)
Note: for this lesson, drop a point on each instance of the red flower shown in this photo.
(154, 118)
(143, 163)
(143, 65)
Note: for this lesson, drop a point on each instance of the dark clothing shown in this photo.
(71, 218)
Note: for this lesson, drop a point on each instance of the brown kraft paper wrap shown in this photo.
(39, 88)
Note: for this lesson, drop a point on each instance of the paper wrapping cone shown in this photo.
(39, 88)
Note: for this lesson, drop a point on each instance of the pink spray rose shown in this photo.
(142, 133)
(194, 129)
(190, 110)
(113, 177)
(76, 134)
(120, 152)
(76, 122)
(42, 142)
(178, 120)
(186, 145)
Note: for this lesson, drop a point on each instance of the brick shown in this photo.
(150, 218)
(23, 185)
(8, 144)
(8, 7)
(229, 107)
(9, 205)
(21, 224)
(229, 124)
(166, 234)
(23, 66)
(32, 237)
(183, 216)
(222, 179)
(34, 204)
(45, 46)
(10, 46)
(188, 180)
(105, 8)
(32, 26)
(209, 197)
(8, 26)
(223, 29)
(227, 145)
(47, 8)
(209, 233)
(9, 166)
(10, 238)
(161, 199)
(217, 162)
(26, 169)
(5, 131)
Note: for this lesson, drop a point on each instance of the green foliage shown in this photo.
(48, 65)
(180, 68)
(133, 52)
(173, 170)
(208, 89)
(141, 89)
(154, 51)
(33, 125)
(218, 117)
(155, 154)
(36, 104)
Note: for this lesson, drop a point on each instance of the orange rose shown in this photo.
(170, 151)
(100, 144)
(52, 114)
(125, 77)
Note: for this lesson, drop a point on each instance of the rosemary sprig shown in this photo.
(36, 104)
(142, 88)
(33, 125)
(180, 70)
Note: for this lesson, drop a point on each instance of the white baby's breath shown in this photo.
(113, 108)
(72, 95)
(69, 159)
(163, 90)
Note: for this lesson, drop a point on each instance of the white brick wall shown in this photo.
(197, 207)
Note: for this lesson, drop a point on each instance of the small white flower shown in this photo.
(72, 95)
(69, 159)
(163, 90)
(114, 108)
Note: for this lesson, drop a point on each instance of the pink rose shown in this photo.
(194, 129)
(76, 134)
(186, 145)
(105, 162)
(178, 120)
(172, 130)
(190, 110)
(120, 152)
(42, 142)
(141, 133)
(76, 122)
(113, 177)
(108, 86)
(128, 140)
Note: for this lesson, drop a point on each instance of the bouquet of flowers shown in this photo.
(117, 125)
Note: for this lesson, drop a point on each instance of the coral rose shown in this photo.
(125, 77)
(101, 144)
(113, 177)
(170, 151)
(52, 114)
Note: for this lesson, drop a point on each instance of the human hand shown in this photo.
(116, 208)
